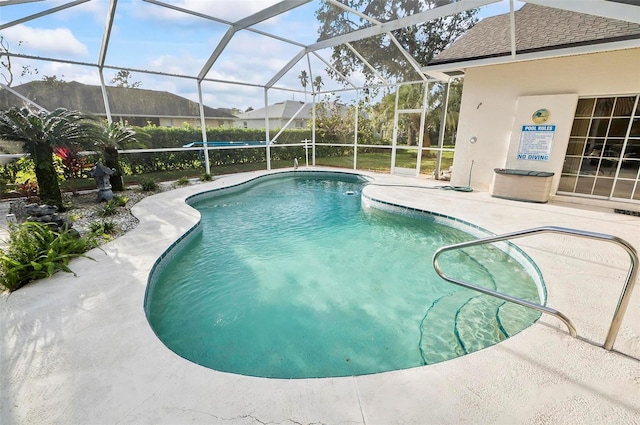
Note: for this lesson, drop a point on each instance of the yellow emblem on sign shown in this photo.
(541, 116)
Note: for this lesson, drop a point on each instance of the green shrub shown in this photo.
(103, 227)
(36, 251)
(149, 185)
(183, 181)
(108, 209)
(206, 177)
(119, 201)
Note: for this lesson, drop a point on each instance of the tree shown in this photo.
(410, 97)
(122, 79)
(5, 62)
(40, 133)
(453, 107)
(337, 120)
(304, 81)
(317, 83)
(115, 136)
(52, 80)
(422, 41)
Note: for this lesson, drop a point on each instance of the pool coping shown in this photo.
(79, 350)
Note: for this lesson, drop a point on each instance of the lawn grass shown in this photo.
(381, 161)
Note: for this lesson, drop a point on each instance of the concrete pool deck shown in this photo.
(79, 350)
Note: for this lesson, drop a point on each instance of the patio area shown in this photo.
(79, 350)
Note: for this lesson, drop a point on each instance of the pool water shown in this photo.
(293, 278)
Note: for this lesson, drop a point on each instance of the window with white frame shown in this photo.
(603, 155)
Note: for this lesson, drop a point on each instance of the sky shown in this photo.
(150, 37)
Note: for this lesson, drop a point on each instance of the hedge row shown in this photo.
(152, 137)
(160, 137)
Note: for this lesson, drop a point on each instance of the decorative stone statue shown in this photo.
(101, 175)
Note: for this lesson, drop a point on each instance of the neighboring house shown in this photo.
(136, 106)
(299, 113)
(279, 115)
(567, 102)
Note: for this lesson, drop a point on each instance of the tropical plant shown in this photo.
(317, 83)
(73, 164)
(40, 132)
(410, 96)
(119, 201)
(115, 135)
(28, 189)
(36, 251)
(149, 185)
(182, 181)
(107, 209)
(103, 227)
(304, 81)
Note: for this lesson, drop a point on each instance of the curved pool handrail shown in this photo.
(625, 296)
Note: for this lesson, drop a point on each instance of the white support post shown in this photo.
(394, 138)
(313, 131)
(105, 97)
(203, 127)
(306, 153)
(355, 133)
(512, 25)
(443, 123)
(423, 119)
(266, 128)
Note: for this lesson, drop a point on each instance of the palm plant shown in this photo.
(40, 132)
(304, 81)
(318, 83)
(115, 135)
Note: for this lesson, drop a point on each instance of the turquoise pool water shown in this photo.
(293, 278)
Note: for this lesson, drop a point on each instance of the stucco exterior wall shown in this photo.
(274, 123)
(490, 100)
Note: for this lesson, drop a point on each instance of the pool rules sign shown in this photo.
(535, 142)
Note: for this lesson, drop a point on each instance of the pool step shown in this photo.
(439, 341)
(509, 318)
(513, 318)
(476, 323)
(466, 321)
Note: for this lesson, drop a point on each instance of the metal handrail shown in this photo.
(625, 296)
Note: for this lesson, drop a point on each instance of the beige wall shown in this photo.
(490, 102)
(562, 110)
(274, 123)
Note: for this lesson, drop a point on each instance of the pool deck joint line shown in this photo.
(79, 350)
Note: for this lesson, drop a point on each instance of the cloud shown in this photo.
(43, 41)
(179, 65)
(229, 10)
(96, 10)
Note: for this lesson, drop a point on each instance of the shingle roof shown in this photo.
(537, 28)
(122, 101)
(280, 110)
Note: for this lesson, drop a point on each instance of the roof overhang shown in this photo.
(623, 10)
(446, 71)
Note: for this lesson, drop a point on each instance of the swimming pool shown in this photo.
(298, 276)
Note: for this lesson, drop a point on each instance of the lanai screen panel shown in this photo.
(163, 45)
